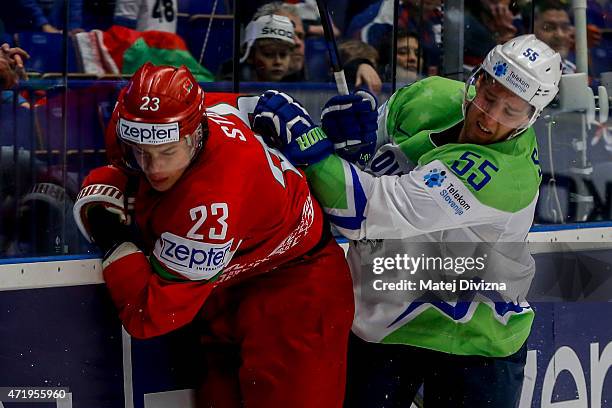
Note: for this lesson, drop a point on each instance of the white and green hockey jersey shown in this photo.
(421, 192)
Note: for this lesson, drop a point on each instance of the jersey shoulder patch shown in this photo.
(430, 104)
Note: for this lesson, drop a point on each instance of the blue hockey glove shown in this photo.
(350, 122)
(285, 124)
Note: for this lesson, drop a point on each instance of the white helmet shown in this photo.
(527, 67)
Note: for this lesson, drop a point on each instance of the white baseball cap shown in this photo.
(269, 26)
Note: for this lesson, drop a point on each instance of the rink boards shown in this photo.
(58, 328)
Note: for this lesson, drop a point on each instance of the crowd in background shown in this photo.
(362, 28)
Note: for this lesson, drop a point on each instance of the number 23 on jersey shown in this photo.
(200, 213)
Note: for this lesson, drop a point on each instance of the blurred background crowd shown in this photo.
(363, 29)
(77, 54)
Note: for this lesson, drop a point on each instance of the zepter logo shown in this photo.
(194, 260)
(148, 133)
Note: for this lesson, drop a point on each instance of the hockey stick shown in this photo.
(210, 21)
(334, 57)
(332, 48)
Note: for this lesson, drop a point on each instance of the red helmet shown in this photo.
(159, 105)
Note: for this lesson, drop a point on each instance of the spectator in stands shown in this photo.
(296, 63)
(487, 23)
(599, 35)
(309, 13)
(553, 26)
(42, 15)
(409, 64)
(365, 73)
(266, 50)
(356, 54)
(11, 65)
(11, 71)
(268, 46)
(33, 204)
(98, 14)
(145, 15)
(374, 24)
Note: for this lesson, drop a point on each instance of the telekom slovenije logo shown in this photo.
(500, 69)
(434, 178)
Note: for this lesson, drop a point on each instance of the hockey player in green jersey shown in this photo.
(448, 162)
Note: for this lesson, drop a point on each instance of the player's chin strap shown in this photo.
(201, 141)
(518, 131)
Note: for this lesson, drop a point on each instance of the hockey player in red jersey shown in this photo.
(228, 235)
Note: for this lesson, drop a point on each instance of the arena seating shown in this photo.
(317, 65)
(219, 46)
(18, 127)
(202, 7)
(45, 51)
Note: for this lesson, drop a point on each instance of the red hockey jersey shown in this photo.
(239, 210)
